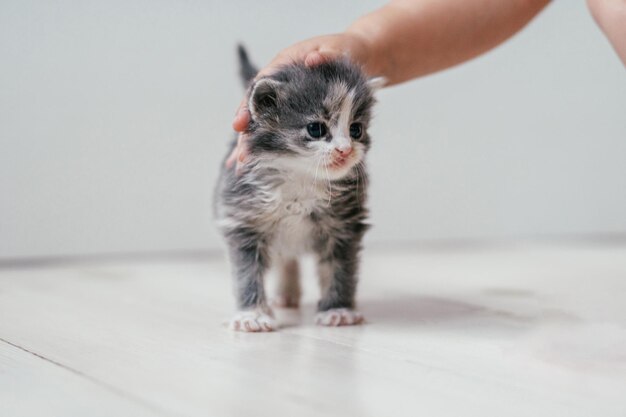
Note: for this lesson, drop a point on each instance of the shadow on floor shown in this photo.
(425, 310)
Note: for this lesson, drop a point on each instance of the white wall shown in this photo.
(114, 116)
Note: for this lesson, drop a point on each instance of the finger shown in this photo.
(314, 58)
(234, 155)
(241, 120)
(232, 158)
(242, 156)
(283, 58)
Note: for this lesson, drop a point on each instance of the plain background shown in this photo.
(114, 117)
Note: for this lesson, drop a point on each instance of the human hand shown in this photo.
(311, 52)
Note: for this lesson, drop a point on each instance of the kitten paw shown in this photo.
(339, 317)
(252, 321)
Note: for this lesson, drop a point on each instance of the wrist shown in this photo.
(371, 31)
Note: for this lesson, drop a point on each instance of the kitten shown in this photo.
(302, 190)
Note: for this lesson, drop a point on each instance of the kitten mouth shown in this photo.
(340, 162)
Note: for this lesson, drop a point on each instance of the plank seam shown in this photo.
(111, 388)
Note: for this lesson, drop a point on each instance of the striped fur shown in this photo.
(298, 194)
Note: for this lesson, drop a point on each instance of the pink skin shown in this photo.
(340, 158)
(611, 17)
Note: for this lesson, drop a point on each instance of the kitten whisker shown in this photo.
(317, 166)
(358, 174)
(330, 186)
(363, 185)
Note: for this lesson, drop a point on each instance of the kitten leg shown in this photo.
(249, 263)
(288, 289)
(338, 279)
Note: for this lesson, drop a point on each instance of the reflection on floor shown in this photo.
(513, 330)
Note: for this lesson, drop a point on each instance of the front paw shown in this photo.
(252, 321)
(339, 317)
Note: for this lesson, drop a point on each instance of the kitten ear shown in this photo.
(264, 97)
(376, 83)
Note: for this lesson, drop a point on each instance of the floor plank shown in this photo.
(512, 330)
(32, 386)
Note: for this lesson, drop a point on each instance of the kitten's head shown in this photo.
(312, 119)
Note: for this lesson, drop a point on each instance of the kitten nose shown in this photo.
(344, 151)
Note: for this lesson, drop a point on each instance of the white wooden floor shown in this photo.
(515, 330)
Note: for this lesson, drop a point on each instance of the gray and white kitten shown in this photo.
(302, 189)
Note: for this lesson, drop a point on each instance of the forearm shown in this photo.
(611, 17)
(411, 38)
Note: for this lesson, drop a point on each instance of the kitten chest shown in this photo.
(293, 231)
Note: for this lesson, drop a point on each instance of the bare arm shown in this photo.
(611, 17)
(408, 38)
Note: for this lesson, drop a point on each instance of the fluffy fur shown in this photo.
(300, 190)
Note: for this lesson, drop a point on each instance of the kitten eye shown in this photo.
(316, 129)
(356, 130)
